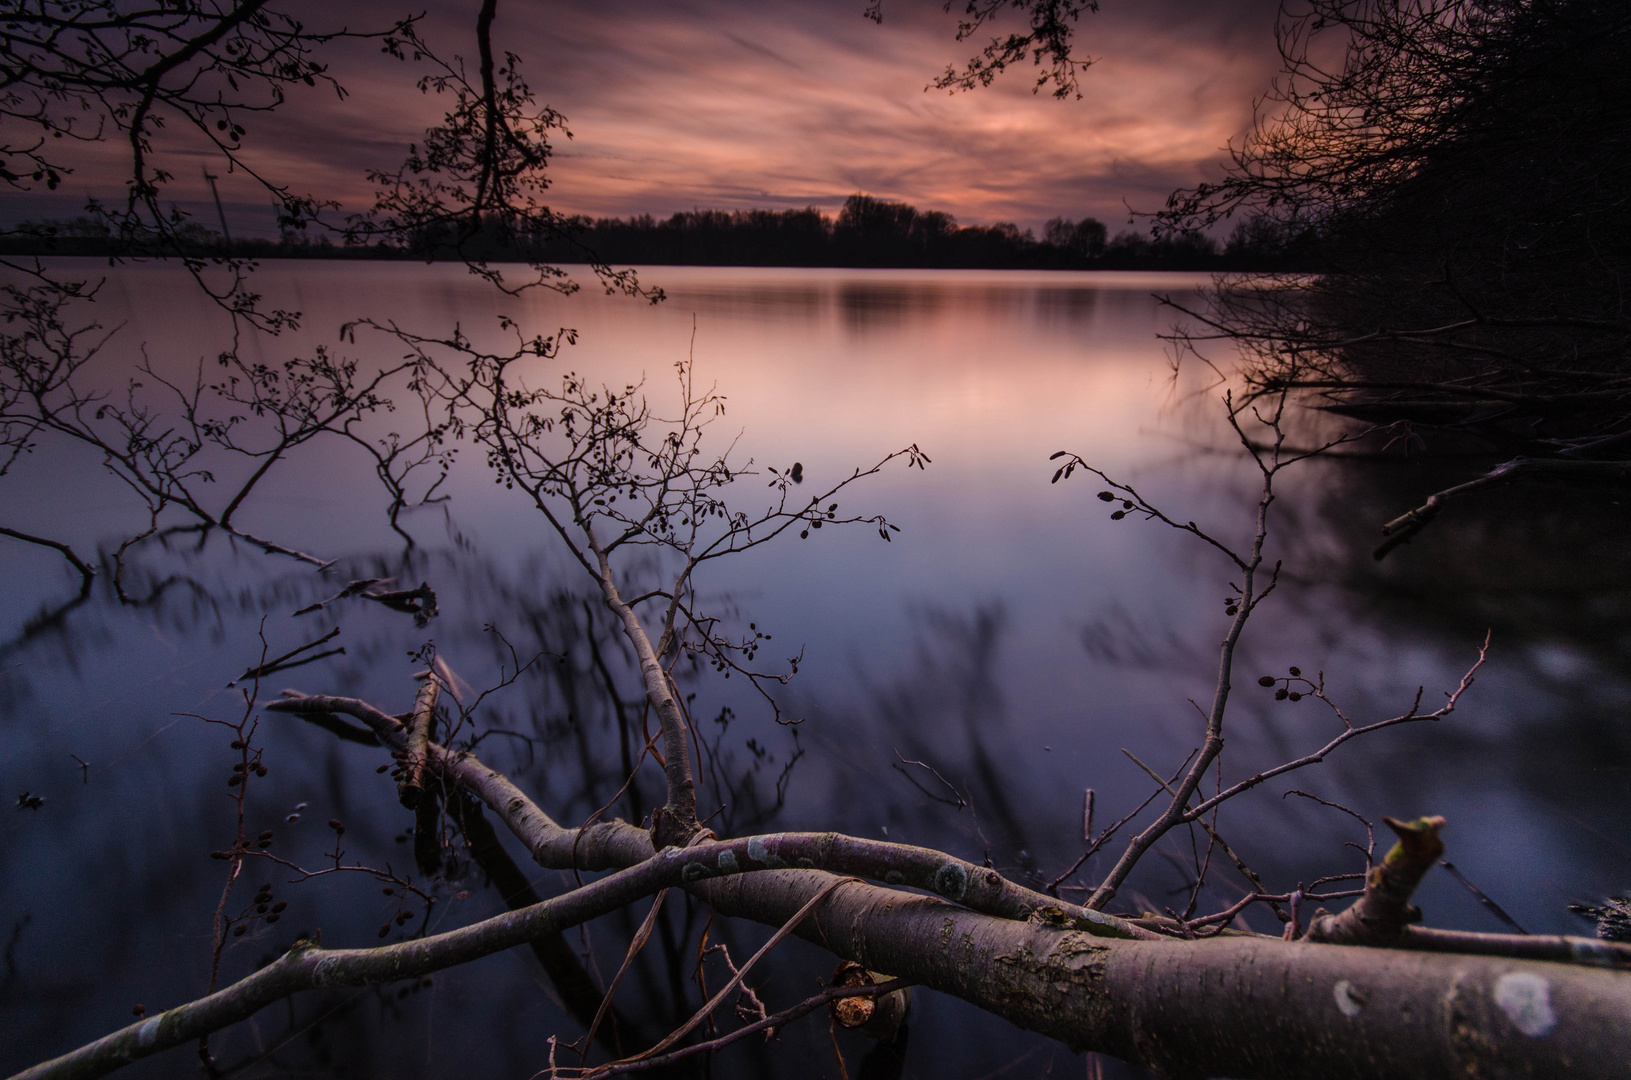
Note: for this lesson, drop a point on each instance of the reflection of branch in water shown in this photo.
(419, 602)
(955, 675)
(287, 660)
(87, 573)
(341, 729)
(1402, 529)
(958, 801)
(1120, 637)
(1547, 569)
(44, 620)
(10, 981)
(1478, 894)
(566, 971)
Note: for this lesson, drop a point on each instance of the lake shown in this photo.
(1011, 636)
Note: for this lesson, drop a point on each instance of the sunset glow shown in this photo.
(720, 105)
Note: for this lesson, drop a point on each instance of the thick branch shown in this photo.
(676, 822)
(1380, 916)
(1185, 1008)
(411, 787)
(616, 844)
(578, 991)
(307, 966)
(1231, 1006)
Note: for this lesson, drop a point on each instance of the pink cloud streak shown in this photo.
(787, 104)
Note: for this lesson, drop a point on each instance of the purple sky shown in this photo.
(785, 103)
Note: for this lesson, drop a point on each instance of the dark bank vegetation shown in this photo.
(1461, 167)
(867, 232)
(874, 232)
(638, 496)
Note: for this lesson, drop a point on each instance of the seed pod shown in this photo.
(389, 891)
(279, 906)
(261, 909)
(1118, 515)
(334, 823)
(1105, 496)
(384, 929)
(1296, 672)
(1281, 694)
(1266, 680)
(239, 930)
(266, 834)
(260, 770)
(220, 855)
(1295, 696)
(234, 780)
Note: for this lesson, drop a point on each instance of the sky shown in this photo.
(723, 104)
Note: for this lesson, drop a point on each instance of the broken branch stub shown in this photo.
(412, 785)
(1382, 914)
(877, 1017)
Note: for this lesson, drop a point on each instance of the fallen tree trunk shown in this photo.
(1242, 1006)
(1230, 1006)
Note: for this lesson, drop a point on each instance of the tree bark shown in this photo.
(1228, 1006)
(1243, 1006)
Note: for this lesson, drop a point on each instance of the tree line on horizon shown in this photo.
(866, 232)
(872, 232)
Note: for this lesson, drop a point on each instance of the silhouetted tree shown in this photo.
(1461, 176)
(1084, 239)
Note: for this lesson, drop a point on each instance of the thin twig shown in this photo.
(1494, 908)
(899, 767)
(770, 1025)
(713, 1003)
(641, 936)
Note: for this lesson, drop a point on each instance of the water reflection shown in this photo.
(869, 302)
(1011, 639)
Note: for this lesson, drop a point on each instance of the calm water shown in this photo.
(1012, 636)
